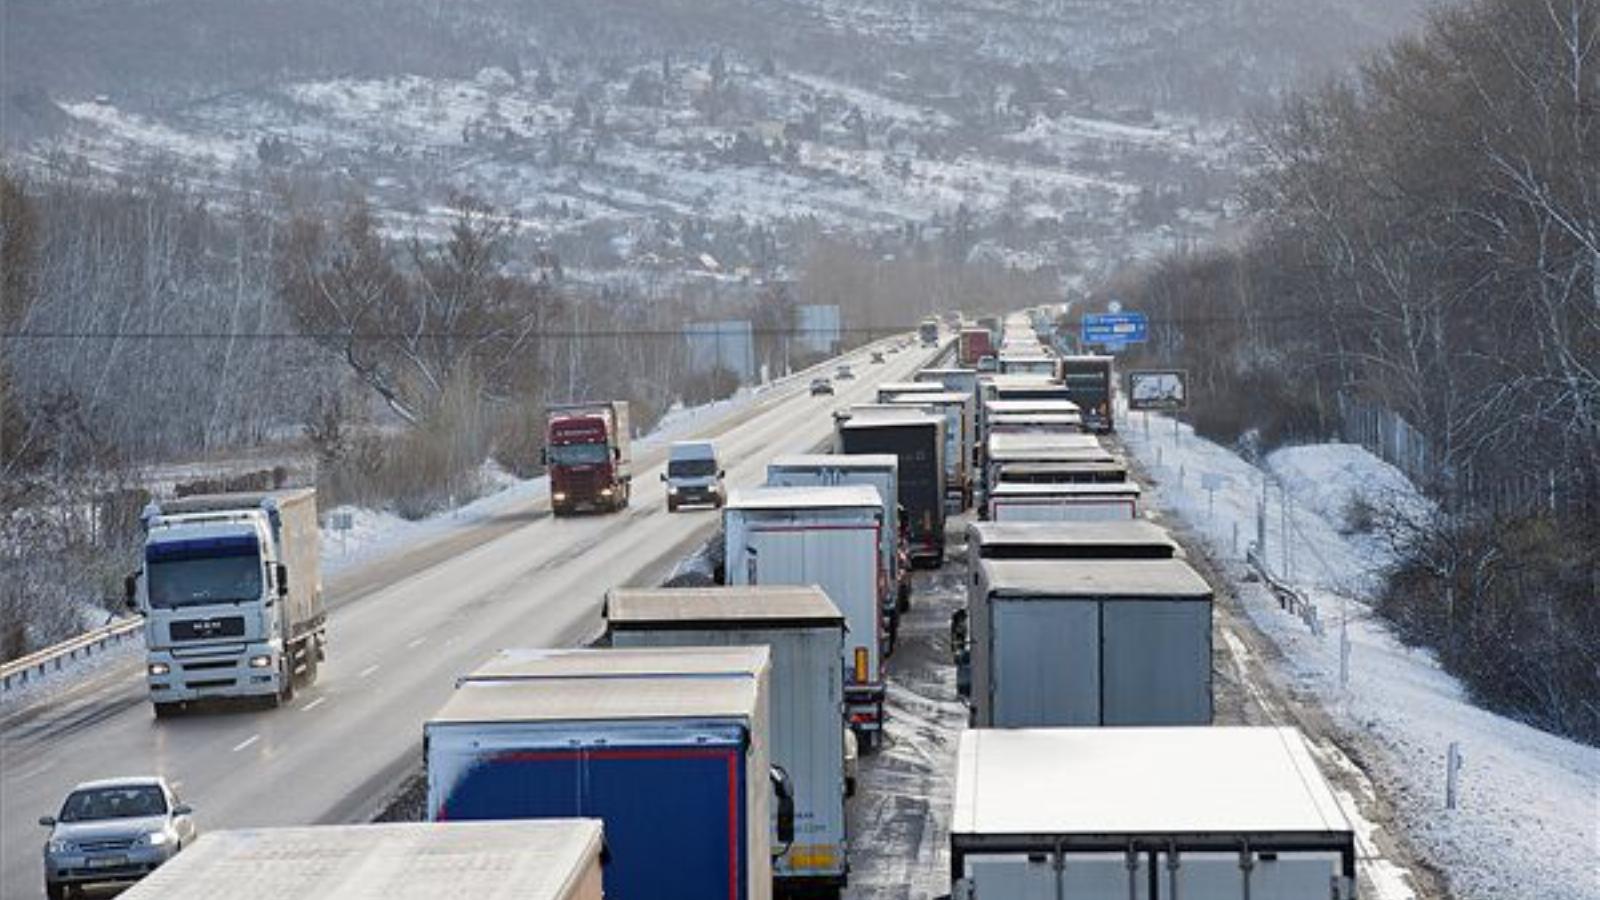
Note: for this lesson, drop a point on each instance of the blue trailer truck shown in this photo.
(667, 746)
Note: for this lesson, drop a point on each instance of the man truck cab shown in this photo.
(694, 475)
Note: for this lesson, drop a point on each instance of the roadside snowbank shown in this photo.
(1529, 802)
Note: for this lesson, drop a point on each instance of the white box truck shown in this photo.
(231, 592)
(1091, 501)
(1090, 642)
(1227, 813)
(880, 471)
(805, 633)
(666, 746)
(828, 537)
(555, 859)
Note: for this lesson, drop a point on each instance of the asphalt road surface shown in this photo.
(400, 631)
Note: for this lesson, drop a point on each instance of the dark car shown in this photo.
(821, 386)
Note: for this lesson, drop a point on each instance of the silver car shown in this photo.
(119, 829)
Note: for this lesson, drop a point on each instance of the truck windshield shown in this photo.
(197, 573)
(579, 454)
(691, 468)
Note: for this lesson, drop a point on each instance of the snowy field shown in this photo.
(1526, 823)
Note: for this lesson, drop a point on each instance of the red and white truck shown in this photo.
(589, 456)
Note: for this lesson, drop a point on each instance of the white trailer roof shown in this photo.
(1064, 489)
(530, 859)
(1140, 781)
(998, 406)
(1096, 578)
(1131, 531)
(616, 662)
(747, 606)
(842, 496)
(910, 387)
(931, 397)
(866, 415)
(868, 461)
(600, 698)
(1010, 443)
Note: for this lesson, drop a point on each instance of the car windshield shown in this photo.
(579, 454)
(691, 468)
(127, 802)
(222, 575)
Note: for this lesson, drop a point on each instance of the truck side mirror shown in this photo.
(616, 453)
(283, 580)
(130, 590)
(663, 476)
(784, 792)
(958, 630)
(722, 473)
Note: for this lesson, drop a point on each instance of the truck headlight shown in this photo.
(605, 492)
(262, 661)
(558, 496)
(158, 669)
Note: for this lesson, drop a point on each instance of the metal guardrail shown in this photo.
(1290, 600)
(19, 672)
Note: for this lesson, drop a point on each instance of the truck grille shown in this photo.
(205, 629)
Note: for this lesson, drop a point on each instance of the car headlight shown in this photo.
(58, 845)
(158, 669)
(672, 489)
(261, 662)
(154, 839)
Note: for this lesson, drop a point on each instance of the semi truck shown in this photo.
(666, 746)
(972, 345)
(1226, 813)
(829, 537)
(880, 471)
(805, 633)
(1089, 642)
(557, 859)
(231, 592)
(917, 439)
(1088, 380)
(588, 453)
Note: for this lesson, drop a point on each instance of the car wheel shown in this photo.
(167, 710)
(55, 891)
(672, 505)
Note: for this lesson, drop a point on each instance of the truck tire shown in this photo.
(313, 657)
(286, 691)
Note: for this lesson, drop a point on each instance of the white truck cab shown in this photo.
(694, 475)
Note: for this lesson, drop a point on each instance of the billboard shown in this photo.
(817, 328)
(728, 344)
(1163, 389)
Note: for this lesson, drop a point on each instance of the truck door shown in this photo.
(1157, 662)
(1087, 876)
(1218, 876)
(1045, 659)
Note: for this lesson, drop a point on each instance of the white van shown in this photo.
(694, 475)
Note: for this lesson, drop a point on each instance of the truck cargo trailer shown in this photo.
(1083, 501)
(805, 633)
(917, 439)
(556, 859)
(880, 471)
(668, 748)
(1134, 539)
(1090, 642)
(1146, 814)
(828, 537)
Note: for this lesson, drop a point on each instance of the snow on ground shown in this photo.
(1526, 826)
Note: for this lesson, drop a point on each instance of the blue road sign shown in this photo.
(1115, 328)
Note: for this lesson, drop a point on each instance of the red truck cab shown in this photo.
(587, 453)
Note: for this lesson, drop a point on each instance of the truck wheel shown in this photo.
(286, 692)
(313, 659)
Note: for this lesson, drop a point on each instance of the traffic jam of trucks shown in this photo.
(706, 746)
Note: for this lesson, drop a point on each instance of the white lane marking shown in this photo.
(417, 643)
(314, 704)
(246, 742)
(367, 671)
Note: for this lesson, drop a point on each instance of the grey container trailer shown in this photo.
(1090, 642)
(1224, 813)
(805, 633)
(553, 859)
(917, 438)
(879, 470)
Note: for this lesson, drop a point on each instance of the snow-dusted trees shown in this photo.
(1429, 242)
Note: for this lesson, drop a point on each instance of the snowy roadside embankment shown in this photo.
(1529, 801)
